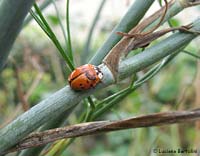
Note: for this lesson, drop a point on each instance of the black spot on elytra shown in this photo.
(87, 81)
(80, 84)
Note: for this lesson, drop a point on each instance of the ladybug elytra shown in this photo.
(85, 77)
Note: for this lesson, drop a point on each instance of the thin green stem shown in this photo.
(191, 54)
(60, 22)
(109, 105)
(134, 77)
(40, 23)
(146, 77)
(53, 37)
(152, 72)
(68, 32)
(43, 6)
(90, 110)
(92, 105)
(89, 115)
(108, 99)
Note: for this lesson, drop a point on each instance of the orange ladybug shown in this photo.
(85, 77)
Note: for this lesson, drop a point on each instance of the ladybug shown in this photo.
(85, 77)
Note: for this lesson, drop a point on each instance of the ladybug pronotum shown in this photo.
(85, 77)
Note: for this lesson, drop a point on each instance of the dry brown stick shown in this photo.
(19, 87)
(152, 29)
(126, 44)
(112, 59)
(20, 92)
(37, 79)
(144, 40)
(156, 119)
(188, 3)
(160, 22)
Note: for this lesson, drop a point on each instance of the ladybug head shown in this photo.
(99, 73)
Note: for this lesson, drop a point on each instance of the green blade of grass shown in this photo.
(43, 6)
(60, 23)
(68, 32)
(191, 54)
(53, 38)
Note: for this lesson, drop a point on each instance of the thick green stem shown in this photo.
(12, 14)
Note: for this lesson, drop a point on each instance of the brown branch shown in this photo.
(135, 38)
(141, 41)
(83, 129)
(152, 29)
(19, 87)
(160, 22)
(112, 59)
(189, 3)
(37, 79)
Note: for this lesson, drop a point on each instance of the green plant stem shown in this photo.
(43, 6)
(12, 14)
(86, 49)
(52, 36)
(131, 19)
(66, 98)
(191, 54)
(92, 105)
(60, 22)
(40, 24)
(90, 109)
(155, 70)
(108, 99)
(65, 146)
(68, 32)
(110, 104)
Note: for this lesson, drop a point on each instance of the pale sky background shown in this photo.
(82, 13)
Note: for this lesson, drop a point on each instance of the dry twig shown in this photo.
(138, 39)
(112, 59)
(20, 92)
(83, 129)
